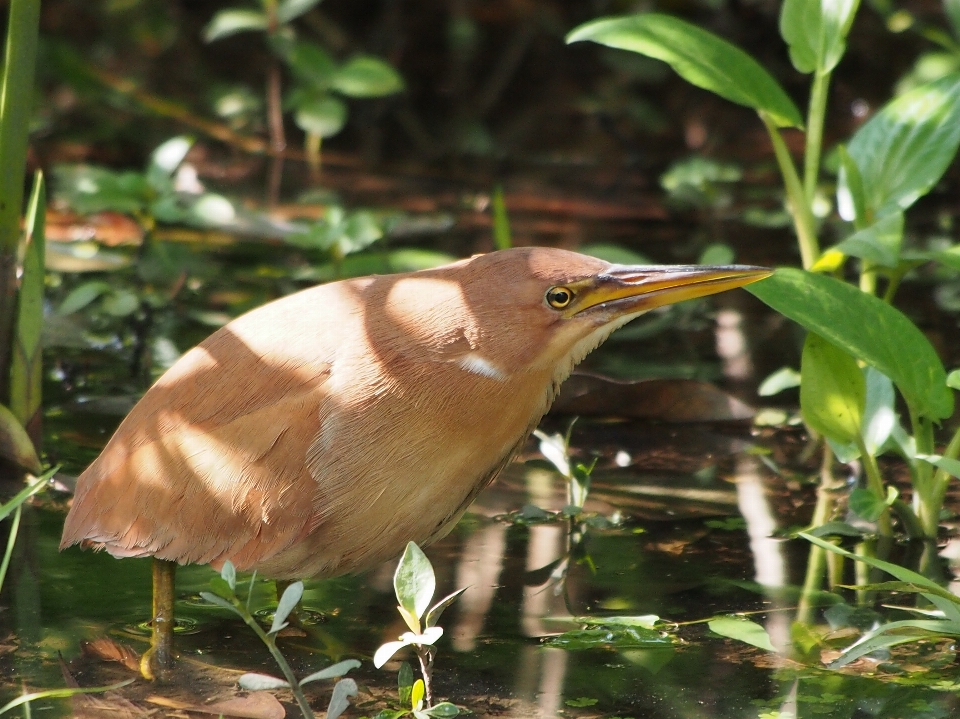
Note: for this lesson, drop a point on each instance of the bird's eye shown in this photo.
(559, 297)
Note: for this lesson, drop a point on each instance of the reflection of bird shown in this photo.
(320, 433)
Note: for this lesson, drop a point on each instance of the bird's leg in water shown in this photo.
(157, 662)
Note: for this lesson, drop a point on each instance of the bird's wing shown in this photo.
(210, 464)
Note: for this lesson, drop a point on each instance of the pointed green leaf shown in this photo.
(331, 672)
(905, 148)
(783, 378)
(24, 494)
(443, 710)
(700, 57)
(742, 630)
(851, 198)
(433, 616)
(832, 390)
(288, 602)
(82, 295)
(15, 443)
(229, 574)
(288, 10)
(414, 581)
(339, 700)
(879, 417)
(232, 21)
(888, 341)
(387, 650)
(816, 31)
(953, 379)
(950, 466)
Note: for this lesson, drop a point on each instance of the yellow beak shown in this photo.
(625, 289)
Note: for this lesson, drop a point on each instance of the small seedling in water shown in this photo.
(556, 449)
(224, 595)
(414, 584)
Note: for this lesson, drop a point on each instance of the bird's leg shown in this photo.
(157, 662)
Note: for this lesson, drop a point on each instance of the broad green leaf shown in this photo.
(288, 10)
(15, 443)
(233, 20)
(832, 390)
(288, 602)
(339, 701)
(414, 581)
(698, 56)
(879, 417)
(312, 64)
(851, 199)
(905, 148)
(742, 630)
(783, 378)
(331, 672)
(367, 76)
(433, 616)
(323, 116)
(867, 328)
(221, 587)
(443, 710)
(869, 506)
(816, 31)
(260, 682)
(879, 243)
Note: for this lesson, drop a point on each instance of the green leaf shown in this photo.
(15, 443)
(698, 56)
(644, 621)
(323, 116)
(24, 494)
(888, 341)
(61, 694)
(416, 695)
(581, 702)
(367, 76)
(414, 581)
(311, 63)
(832, 390)
(783, 378)
(869, 506)
(883, 638)
(288, 602)
(816, 32)
(743, 630)
(221, 587)
(879, 243)
(387, 650)
(331, 672)
(851, 199)
(905, 148)
(433, 616)
(879, 417)
(443, 710)
(228, 573)
(953, 379)
(165, 160)
(232, 21)
(952, 8)
(218, 600)
(288, 10)
(950, 466)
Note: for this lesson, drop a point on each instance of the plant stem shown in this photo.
(799, 207)
(814, 144)
(875, 484)
(816, 564)
(280, 660)
(11, 541)
(16, 101)
(426, 670)
(939, 484)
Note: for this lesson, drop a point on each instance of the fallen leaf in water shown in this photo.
(108, 704)
(669, 400)
(107, 650)
(255, 705)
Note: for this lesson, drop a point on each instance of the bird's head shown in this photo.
(537, 308)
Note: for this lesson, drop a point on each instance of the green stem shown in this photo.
(799, 207)
(814, 144)
(940, 482)
(11, 540)
(16, 109)
(281, 662)
(875, 484)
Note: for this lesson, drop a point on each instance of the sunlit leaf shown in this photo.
(433, 616)
(233, 20)
(260, 682)
(645, 621)
(416, 695)
(953, 379)
(742, 630)
(339, 700)
(212, 210)
(554, 449)
(904, 149)
(950, 466)
(387, 650)
(888, 341)
(851, 199)
(698, 56)
(832, 390)
(366, 76)
(24, 494)
(879, 243)
(331, 672)
(816, 32)
(414, 581)
(288, 10)
(229, 574)
(617, 636)
(783, 378)
(288, 602)
(166, 159)
(879, 416)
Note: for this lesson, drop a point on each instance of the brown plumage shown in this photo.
(319, 433)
